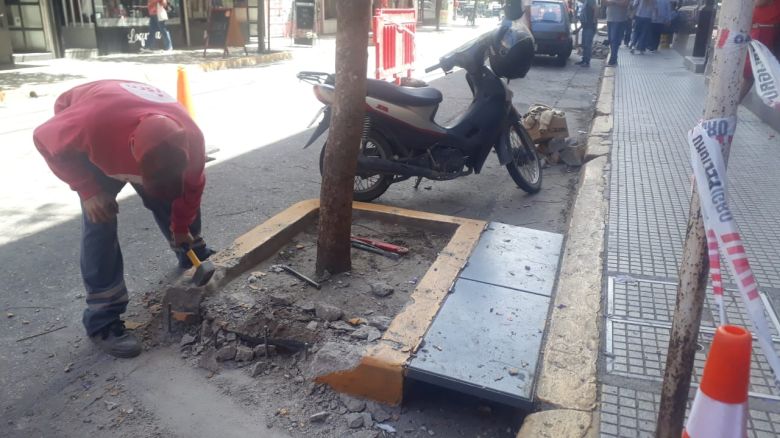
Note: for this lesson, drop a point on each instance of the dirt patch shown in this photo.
(282, 331)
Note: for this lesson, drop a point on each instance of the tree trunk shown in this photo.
(438, 13)
(260, 26)
(343, 146)
(721, 101)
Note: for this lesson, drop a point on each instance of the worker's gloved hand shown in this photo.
(198, 246)
(184, 240)
(101, 208)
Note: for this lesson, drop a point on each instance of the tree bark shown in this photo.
(260, 26)
(343, 146)
(721, 101)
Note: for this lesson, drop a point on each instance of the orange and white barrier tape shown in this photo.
(710, 175)
(766, 72)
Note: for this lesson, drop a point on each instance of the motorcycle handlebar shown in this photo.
(432, 68)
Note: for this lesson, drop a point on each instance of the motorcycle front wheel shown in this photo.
(369, 187)
(525, 167)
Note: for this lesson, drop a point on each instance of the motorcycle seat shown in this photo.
(410, 96)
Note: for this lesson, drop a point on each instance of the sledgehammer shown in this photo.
(203, 270)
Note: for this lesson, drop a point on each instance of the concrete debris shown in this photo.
(335, 356)
(380, 322)
(361, 333)
(385, 427)
(228, 352)
(343, 326)
(381, 290)
(230, 337)
(186, 340)
(353, 404)
(354, 420)
(258, 368)
(298, 379)
(307, 306)
(319, 417)
(327, 312)
(312, 326)
(280, 300)
(378, 412)
(209, 361)
(111, 405)
(205, 331)
(514, 371)
(244, 354)
(373, 334)
(260, 350)
(367, 420)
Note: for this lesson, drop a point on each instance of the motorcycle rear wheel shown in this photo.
(369, 187)
(525, 167)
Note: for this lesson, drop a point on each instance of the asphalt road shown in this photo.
(57, 384)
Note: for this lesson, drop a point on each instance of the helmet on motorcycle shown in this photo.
(511, 55)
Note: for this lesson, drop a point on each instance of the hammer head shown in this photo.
(203, 273)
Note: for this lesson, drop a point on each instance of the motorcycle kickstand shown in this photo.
(417, 182)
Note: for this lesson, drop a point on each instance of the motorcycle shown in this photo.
(401, 140)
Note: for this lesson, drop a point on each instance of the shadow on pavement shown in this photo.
(12, 79)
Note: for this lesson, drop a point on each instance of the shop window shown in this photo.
(128, 13)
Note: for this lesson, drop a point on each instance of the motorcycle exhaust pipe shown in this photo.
(380, 165)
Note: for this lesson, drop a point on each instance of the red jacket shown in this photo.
(94, 122)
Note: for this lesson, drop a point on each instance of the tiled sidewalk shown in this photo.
(656, 101)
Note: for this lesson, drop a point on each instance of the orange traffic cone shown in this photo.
(183, 92)
(720, 407)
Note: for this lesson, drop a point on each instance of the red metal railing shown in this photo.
(394, 31)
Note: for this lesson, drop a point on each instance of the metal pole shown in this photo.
(721, 102)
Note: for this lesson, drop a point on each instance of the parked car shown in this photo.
(551, 27)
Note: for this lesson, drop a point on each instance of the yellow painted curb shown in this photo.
(380, 373)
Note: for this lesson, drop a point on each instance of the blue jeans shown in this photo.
(642, 33)
(588, 33)
(155, 25)
(615, 32)
(102, 268)
(628, 26)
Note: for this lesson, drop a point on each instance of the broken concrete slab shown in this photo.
(353, 404)
(244, 354)
(334, 357)
(227, 352)
(327, 312)
(354, 420)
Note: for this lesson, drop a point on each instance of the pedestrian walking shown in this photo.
(643, 18)
(103, 135)
(662, 18)
(765, 28)
(589, 23)
(158, 16)
(617, 16)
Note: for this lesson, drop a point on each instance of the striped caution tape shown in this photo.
(766, 72)
(766, 68)
(722, 235)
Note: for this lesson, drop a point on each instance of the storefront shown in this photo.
(115, 26)
(29, 26)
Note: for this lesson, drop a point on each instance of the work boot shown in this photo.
(116, 341)
(199, 248)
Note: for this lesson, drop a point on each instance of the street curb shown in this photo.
(568, 381)
(380, 373)
(245, 61)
